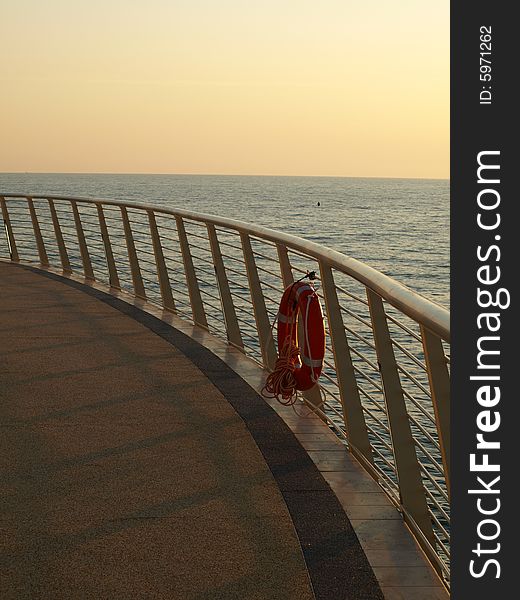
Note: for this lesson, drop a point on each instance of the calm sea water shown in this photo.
(398, 226)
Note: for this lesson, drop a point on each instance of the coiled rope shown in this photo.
(281, 383)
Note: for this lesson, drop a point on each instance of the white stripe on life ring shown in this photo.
(310, 363)
(302, 289)
(284, 319)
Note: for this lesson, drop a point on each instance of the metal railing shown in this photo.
(386, 374)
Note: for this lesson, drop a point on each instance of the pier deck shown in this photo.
(129, 471)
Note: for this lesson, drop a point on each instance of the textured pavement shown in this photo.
(135, 464)
(125, 472)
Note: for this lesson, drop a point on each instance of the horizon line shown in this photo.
(217, 175)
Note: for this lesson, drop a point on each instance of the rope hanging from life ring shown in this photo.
(300, 362)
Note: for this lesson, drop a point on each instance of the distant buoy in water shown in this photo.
(319, 204)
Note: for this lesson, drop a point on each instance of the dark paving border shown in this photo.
(337, 565)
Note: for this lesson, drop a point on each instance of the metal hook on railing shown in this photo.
(311, 275)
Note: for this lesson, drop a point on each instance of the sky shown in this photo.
(277, 87)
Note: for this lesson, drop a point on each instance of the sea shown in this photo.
(398, 226)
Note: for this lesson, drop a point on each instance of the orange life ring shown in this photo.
(300, 300)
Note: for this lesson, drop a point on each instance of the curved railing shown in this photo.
(386, 377)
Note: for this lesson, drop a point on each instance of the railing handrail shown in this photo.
(431, 315)
(382, 375)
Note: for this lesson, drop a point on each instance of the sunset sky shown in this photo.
(277, 87)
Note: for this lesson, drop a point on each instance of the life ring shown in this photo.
(299, 362)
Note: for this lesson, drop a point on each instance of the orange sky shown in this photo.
(290, 87)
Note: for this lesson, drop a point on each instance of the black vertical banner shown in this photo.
(485, 325)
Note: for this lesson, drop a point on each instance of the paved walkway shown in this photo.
(127, 473)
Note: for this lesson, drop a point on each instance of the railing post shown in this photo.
(85, 256)
(111, 263)
(312, 396)
(232, 328)
(263, 326)
(413, 497)
(197, 306)
(285, 265)
(355, 424)
(11, 242)
(132, 256)
(42, 253)
(162, 271)
(62, 249)
(439, 379)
